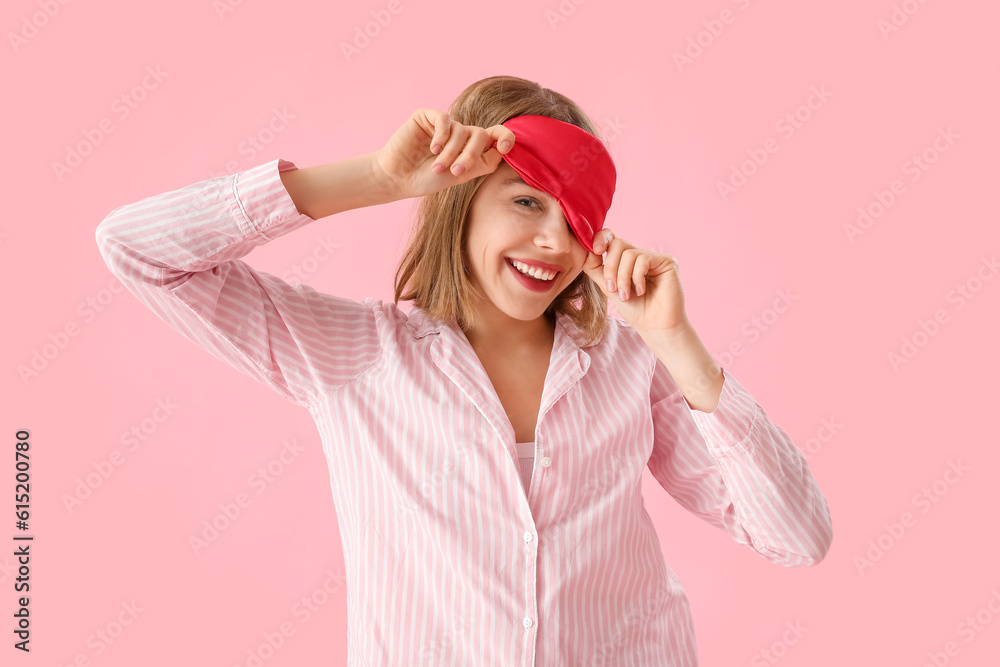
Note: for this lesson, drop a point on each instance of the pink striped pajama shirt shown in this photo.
(449, 558)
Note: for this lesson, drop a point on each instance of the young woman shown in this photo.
(486, 447)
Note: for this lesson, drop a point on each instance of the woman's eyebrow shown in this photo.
(513, 180)
(517, 180)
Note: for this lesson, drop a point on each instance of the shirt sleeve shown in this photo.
(180, 254)
(738, 471)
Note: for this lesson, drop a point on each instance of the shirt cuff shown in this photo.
(265, 207)
(728, 428)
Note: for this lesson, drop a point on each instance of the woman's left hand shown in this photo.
(647, 290)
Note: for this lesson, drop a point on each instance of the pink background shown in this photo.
(681, 129)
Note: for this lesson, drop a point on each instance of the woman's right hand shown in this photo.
(406, 163)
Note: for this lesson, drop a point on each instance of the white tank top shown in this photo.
(525, 462)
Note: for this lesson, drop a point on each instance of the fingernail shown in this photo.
(436, 148)
(458, 169)
(505, 146)
(611, 286)
(438, 168)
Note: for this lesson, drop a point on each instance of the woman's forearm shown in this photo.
(337, 186)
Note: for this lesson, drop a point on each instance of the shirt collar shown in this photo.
(421, 324)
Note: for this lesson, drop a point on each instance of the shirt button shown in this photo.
(546, 462)
(527, 622)
(528, 536)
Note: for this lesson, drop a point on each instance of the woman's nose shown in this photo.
(557, 229)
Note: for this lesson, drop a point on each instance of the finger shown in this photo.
(493, 156)
(614, 250)
(473, 158)
(626, 267)
(442, 128)
(639, 274)
(602, 239)
(503, 137)
(458, 135)
(488, 162)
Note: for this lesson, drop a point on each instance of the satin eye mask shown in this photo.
(568, 163)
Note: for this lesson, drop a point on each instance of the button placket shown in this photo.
(531, 554)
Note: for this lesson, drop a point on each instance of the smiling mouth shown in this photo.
(528, 275)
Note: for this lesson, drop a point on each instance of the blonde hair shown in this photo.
(433, 266)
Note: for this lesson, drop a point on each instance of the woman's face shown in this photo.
(510, 220)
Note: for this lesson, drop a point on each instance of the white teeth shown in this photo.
(536, 273)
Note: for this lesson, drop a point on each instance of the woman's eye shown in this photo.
(530, 201)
